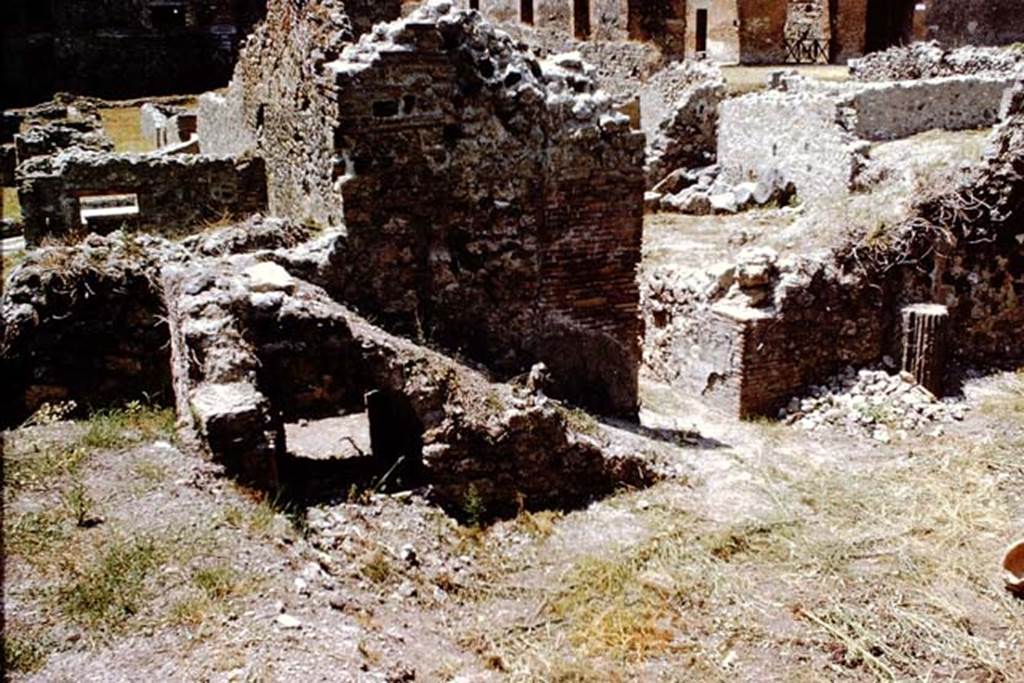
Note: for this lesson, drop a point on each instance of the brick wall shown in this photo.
(485, 218)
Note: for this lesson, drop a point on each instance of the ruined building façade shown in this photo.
(769, 31)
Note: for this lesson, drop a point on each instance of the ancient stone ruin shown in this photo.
(421, 240)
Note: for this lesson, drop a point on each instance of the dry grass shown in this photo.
(122, 427)
(11, 206)
(887, 572)
(102, 592)
(745, 79)
(124, 126)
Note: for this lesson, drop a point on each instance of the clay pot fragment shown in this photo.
(1013, 566)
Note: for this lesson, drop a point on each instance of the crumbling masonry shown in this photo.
(492, 202)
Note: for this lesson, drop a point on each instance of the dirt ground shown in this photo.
(773, 554)
(743, 79)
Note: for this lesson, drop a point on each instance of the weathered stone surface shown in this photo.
(679, 110)
(167, 125)
(816, 136)
(932, 60)
(175, 194)
(924, 344)
(491, 202)
(280, 102)
(961, 247)
(85, 324)
(246, 359)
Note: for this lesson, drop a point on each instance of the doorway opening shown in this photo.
(581, 19)
(702, 31)
(526, 11)
(889, 23)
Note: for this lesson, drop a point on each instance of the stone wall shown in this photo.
(493, 203)
(221, 125)
(619, 67)
(964, 247)
(762, 25)
(660, 22)
(247, 348)
(897, 110)
(679, 116)
(932, 60)
(280, 102)
(175, 194)
(85, 325)
(815, 135)
(799, 137)
(849, 26)
(164, 125)
(747, 335)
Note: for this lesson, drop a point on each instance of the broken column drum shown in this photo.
(924, 344)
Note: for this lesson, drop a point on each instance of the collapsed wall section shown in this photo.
(801, 138)
(932, 60)
(85, 325)
(250, 350)
(679, 116)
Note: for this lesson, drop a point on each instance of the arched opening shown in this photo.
(889, 23)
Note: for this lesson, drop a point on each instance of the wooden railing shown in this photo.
(806, 50)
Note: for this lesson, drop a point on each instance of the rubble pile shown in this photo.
(702, 192)
(932, 60)
(872, 402)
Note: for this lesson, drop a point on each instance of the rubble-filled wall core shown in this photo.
(492, 203)
(173, 194)
(280, 102)
(679, 116)
(86, 325)
(513, 233)
(119, 48)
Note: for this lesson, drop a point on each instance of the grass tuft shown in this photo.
(218, 582)
(377, 567)
(23, 655)
(112, 587)
(32, 535)
(11, 206)
(38, 469)
(582, 422)
(122, 427)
